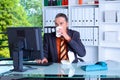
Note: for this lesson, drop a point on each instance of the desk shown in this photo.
(67, 71)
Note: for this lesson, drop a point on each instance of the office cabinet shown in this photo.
(98, 23)
(109, 46)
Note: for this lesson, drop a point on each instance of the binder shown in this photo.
(54, 2)
(46, 17)
(91, 15)
(91, 36)
(50, 17)
(87, 35)
(87, 17)
(96, 16)
(81, 35)
(59, 2)
(80, 2)
(118, 16)
(84, 35)
(45, 2)
(76, 17)
(53, 16)
(64, 2)
(50, 2)
(79, 14)
(45, 30)
(83, 17)
(72, 17)
(50, 30)
(96, 37)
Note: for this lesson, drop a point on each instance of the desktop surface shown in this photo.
(34, 63)
(57, 70)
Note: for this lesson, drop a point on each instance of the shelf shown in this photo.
(63, 6)
(87, 26)
(110, 1)
(78, 5)
(111, 45)
(111, 23)
(91, 45)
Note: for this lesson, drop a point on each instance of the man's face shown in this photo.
(60, 21)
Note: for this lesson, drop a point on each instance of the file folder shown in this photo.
(50, 2)
(45, 2)
(72, 17)
(91, 36)
(81, 34)
(46, 18)
(54, 2)
(96, 37)
(83, 16)
(80, 2)
(59, 2)
(91, 16)
(80, 15)
(64, 2)
(96, 16)
(86, 11)
(118, 16)
(76, 17)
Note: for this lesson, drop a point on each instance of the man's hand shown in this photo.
(38, 60)
(65, 34)
(44, 60)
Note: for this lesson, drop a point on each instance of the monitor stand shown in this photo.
(18, 57)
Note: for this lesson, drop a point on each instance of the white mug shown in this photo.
(58, 34)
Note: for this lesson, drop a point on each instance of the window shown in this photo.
(18, 13)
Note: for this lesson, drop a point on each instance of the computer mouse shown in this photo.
(101, 63)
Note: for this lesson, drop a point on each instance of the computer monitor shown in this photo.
(27, 41)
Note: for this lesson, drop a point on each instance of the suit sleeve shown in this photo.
(76, 45)
(45, 45)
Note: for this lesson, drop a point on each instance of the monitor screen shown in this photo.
(28, 39)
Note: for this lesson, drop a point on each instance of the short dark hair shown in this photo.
(62, 15)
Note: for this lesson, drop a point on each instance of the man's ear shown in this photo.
(67, 24)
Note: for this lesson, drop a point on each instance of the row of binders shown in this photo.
(49, 29)
(84, 16)
(79, 16)
(111, 16)
(55, 2)
(51, 13)
(88, 35)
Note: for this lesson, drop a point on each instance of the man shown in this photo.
(52, 43)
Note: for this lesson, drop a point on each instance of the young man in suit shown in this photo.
(52, 43)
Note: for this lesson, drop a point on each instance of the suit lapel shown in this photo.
(54, 47)
(70, 34)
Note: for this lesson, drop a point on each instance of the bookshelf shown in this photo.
(89, 20)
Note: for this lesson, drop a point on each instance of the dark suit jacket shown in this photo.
(75, 45)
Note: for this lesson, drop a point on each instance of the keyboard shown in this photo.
(34, 63)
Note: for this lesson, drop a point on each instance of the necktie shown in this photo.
(63, 50)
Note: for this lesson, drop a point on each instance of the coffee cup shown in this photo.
(58, 33)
